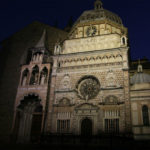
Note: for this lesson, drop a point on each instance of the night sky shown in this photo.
(16, 14)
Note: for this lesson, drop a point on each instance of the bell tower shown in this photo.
(32, 93)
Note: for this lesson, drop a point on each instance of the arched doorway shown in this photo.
(86, 127)
(28, 119)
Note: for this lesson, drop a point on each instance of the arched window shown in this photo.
(145, 115)
(43, 76)
(123, 40)
(35, 76)
(25, 77)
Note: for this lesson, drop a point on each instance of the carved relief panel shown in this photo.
(64, 102)
(65, 82)
(111, 79)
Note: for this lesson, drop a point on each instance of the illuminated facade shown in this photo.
(85, 89)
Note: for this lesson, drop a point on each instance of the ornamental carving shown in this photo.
(91, 31)
(88, 87)
(65, 82)
(111, 100)
(64, 102)
(86, 109)
(95, 59)
(111, 79)
(86, 106)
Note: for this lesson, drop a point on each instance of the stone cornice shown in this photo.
(112, 88)
(64, 91)
(95, 66)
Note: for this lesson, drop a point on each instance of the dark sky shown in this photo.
(16, 14)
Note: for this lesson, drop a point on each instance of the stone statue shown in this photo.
(36, 78)
(42, 79)
(41, 56)
(57, 49)
(34, 57)
(24, 81)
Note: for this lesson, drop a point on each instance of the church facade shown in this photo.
(85, 87)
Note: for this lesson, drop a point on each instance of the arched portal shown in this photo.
(86, 127)
(28, 119)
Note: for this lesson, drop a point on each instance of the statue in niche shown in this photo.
(65, 83)
(24, 80)
(43, 76)
(41, 56)
(57, 49)
(34, 58)
(36, 78)
(43, 79)
(37, 57)
(110, 79)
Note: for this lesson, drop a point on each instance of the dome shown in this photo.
(102, 14)
(98, 14)
(140, 77)
(97, 22)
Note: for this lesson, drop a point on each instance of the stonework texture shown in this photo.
(76, 83)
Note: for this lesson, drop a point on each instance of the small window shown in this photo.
(59, 65)
(123, 41)
(145, 115)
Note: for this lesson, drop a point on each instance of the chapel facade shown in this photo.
(85, 87)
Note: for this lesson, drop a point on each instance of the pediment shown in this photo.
(64, 102)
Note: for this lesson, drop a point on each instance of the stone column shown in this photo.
(50, 106)
(127, 102)
(49, 120)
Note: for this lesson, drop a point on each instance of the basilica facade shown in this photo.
(84, 87)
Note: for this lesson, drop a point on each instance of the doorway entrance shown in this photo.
(28, 120)
(86, 127)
